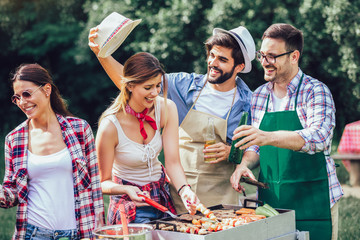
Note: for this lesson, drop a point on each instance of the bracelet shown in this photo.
(182, 188)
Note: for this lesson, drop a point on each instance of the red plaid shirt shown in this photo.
(158, 193)
(79, 139)
(350, 140)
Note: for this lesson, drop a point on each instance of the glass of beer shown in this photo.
(209, 137)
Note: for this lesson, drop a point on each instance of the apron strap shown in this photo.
(232, 104)
(298, 90)
(192, 106)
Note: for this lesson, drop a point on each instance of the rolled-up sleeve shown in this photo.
(320, 120)
(9, 186)
(94, 171)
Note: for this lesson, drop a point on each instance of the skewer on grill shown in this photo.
(209, 214)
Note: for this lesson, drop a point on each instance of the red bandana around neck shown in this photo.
(141, 118)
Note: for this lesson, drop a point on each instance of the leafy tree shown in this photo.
(330, 52)
(46, 32)
(171, 30)
(54, 34)
(343, 25)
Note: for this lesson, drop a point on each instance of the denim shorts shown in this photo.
(38, 233)
(146, 214)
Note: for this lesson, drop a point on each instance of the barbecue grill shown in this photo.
(280, 227)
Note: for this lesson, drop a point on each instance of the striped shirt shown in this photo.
(79, 139)
(316, 111)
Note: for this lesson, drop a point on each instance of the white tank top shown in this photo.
(135, 162)
(51, 203)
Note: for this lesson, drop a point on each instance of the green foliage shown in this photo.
(342, 23)
(47, 32)
(54, 34)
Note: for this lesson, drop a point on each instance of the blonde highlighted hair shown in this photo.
(137, 69)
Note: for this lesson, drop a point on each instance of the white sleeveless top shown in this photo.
(51, 202)
(135, 162)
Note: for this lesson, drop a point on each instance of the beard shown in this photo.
(269, 78)
(223, 76)
(279, 75)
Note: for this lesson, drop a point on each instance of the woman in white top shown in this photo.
(51, 173)
(129, 141)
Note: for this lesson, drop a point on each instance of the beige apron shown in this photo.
(210, 182)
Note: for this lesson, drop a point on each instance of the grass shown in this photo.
(7, 223)
(349, 208)
(349, 218)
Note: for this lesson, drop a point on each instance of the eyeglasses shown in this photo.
(25, 95)
(269, 58)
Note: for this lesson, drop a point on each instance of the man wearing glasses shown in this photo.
(293, 118)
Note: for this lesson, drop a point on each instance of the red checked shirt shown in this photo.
(316, 111)
(350, 140)
(158, 193)
(79, 139)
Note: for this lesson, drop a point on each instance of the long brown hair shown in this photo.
(40, 76)
(137, 69)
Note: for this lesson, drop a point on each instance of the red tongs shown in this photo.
(157, 205)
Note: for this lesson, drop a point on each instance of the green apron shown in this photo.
(297, 181)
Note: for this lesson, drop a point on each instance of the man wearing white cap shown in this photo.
(221, 95)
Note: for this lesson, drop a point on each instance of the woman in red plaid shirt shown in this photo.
(51, 169)
(129, 141)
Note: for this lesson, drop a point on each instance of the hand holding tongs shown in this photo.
(253, 182)
(157, 205)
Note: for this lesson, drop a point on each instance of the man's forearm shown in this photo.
(250, 159)
(286, 139)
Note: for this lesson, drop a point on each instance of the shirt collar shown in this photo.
(62, 121)
(294, 82)
(198, 83)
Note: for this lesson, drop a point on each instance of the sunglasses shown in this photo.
(24, 95)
